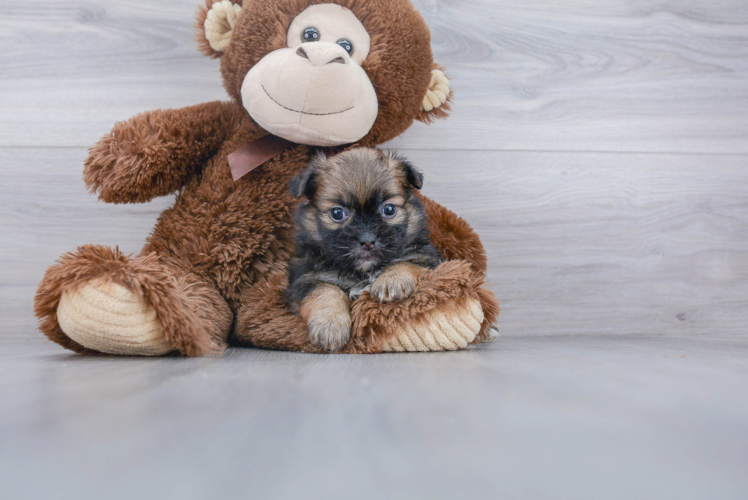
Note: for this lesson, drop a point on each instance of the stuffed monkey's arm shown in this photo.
(155, 153)
(453, 236)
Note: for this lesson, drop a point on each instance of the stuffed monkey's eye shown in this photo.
(310, 35)
(348, 46)
(389, 210)
(338, 214)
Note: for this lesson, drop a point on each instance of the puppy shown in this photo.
(359, 229)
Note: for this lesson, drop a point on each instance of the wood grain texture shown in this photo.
(578, 243)
(603, 243)
(664, 76)
(599, 147)
(613, 418)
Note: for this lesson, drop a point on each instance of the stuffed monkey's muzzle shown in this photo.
(322, 54)
(313, 94)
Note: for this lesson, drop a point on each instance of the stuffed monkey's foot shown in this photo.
(441, 330)
(109, 318)
(97, 300)
(448, 310)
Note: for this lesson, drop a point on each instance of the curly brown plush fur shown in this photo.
(264, 321)
(157, 152)
(193, 316)
(217, 257)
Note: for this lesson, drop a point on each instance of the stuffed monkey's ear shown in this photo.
(215, 23)
(436, 101)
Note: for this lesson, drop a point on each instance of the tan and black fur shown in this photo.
(359, 229)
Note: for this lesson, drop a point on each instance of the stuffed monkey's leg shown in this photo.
(98, 300)
(456, 240)
(264, 320)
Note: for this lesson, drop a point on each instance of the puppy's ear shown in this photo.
(412, 175)
(303, 184)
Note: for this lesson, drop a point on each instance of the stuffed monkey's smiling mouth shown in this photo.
(303, 112)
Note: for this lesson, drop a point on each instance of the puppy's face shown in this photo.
(359, 213)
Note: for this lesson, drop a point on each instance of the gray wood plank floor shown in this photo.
(600, 148)
(556, 417)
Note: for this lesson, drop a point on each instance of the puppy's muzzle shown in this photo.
(367, 241)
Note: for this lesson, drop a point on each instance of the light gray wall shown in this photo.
(599, 147)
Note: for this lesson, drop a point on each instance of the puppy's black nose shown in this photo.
(367, 240)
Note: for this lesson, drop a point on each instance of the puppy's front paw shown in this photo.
(329, 332)
(327, 313)
(392, 287)
(396, 283)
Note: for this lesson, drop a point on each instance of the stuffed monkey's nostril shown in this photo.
(323, 53)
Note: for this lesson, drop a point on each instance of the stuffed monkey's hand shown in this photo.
(396, 283)
(155, 153)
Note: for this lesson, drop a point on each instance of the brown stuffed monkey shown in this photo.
(301, 74)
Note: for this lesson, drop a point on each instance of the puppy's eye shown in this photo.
(389, 210)
(338, 214)
(310, 35)
(348, 46)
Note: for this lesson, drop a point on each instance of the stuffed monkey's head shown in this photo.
(326, 74)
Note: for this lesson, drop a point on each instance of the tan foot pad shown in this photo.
(109, 318)
(440, 331)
